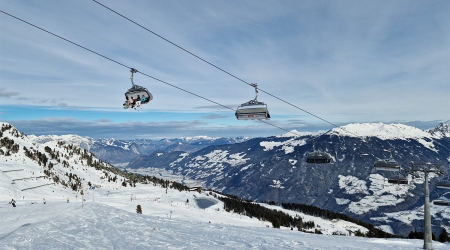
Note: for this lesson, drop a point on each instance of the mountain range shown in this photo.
(275, 168)
(120, 152)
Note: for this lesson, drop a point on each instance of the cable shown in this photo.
(130, 67)
(226, 72)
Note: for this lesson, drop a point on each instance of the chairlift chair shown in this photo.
(137, 90)
(443, 184)
(441, 202)
(318, 157)
(253, 110)
(398, 180)
(387, 165)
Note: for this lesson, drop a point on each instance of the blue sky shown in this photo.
(345, 61)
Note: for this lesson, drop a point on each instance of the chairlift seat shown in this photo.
(252, 110)
(441, 202)
(398, 180)
(387, 166)
(443, 184)
(318, 158)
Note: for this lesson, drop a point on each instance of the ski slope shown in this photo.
(110, 222)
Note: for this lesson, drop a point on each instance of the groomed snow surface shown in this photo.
(109, 221)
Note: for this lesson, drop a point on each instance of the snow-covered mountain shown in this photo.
(120, 152)
(275, 169)
(442, 129)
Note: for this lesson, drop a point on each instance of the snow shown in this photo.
(277, 184)
(82, 142)
(342, 201)
(287, 146)
(295, 133)
(407, 216)
(381, 130)
(215, 162)
(387, 132)
(381, 192)
(352, 185)
(100, 226)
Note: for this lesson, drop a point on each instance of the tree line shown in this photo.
(279, 218)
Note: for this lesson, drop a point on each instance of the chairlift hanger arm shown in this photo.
(132, 70)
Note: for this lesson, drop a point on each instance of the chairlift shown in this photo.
(443, 184)
(441, 202)
(398, 180)
(387, 165)
(318, 157)
(252, 110)
(136, 91)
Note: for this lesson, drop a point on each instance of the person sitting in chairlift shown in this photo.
(131, 101)
(143, 99)
(127, 103)
(138, 101)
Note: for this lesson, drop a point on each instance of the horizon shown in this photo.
(215, 137)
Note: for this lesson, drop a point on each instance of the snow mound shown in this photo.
(381, 130)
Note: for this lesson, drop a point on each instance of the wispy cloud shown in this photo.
(215, 116)
(103, 128)
(7, 94)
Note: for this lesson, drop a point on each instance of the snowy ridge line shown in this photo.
(384, 131)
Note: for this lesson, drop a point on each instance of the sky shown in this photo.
(345, 62)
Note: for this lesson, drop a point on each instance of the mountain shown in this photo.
(275, 169)
(120, 152)
(48, 183)
(443, 129)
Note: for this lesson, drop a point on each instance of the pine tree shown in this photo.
(443, 237)
(276, 223)
(139, 209)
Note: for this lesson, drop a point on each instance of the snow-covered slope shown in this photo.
(58, 225)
